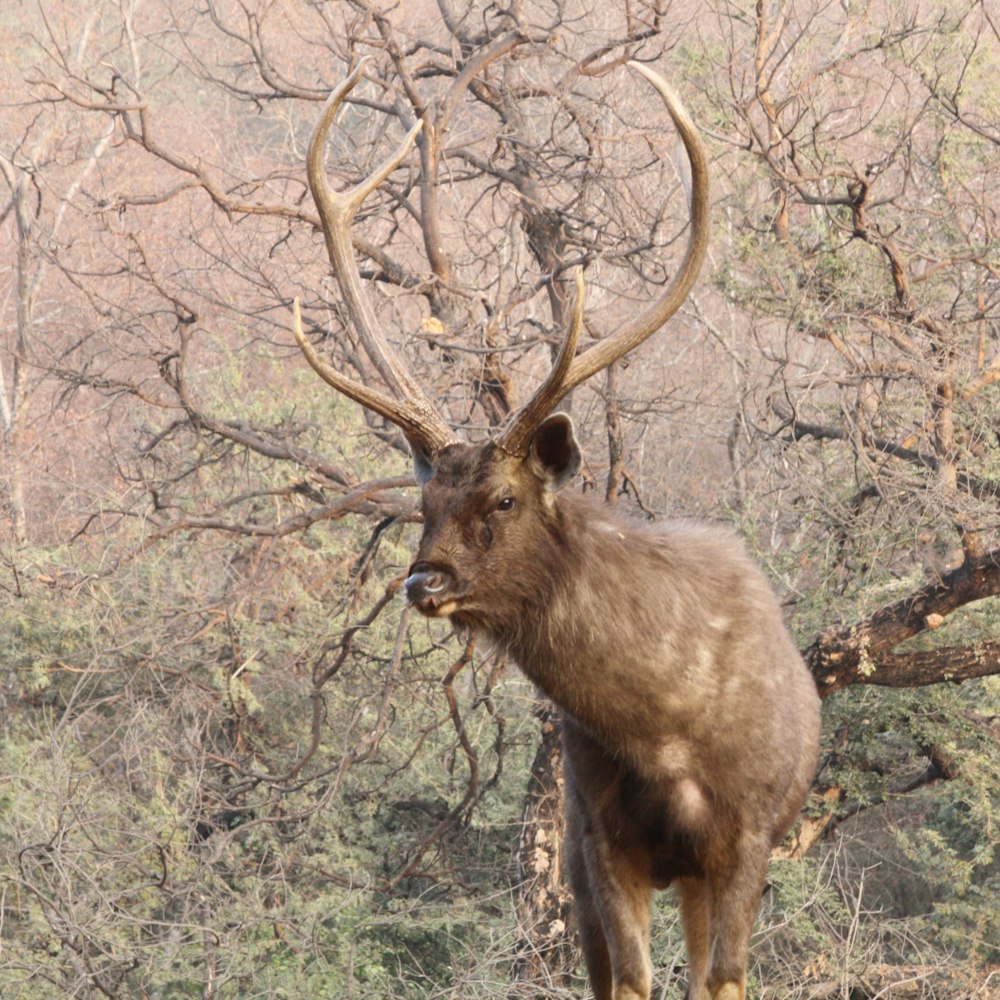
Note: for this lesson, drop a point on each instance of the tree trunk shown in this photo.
(546, 956)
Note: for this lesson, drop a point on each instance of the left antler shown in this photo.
(569, 371)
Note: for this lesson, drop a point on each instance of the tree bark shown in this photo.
(546, 956)
(863, 653)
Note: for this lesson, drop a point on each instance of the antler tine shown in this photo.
(425, 428)
(515, 439)
(626, 338)
(409, 419)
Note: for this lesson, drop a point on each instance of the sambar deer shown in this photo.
(690, 722)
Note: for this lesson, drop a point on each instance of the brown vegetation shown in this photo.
(233, 767)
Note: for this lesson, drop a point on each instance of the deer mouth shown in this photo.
(431, 591)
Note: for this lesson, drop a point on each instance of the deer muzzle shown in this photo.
(430, 590)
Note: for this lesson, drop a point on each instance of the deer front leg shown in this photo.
(620, 894)
(609, 866)
(695, 905)
(593, 944)
(735, 900)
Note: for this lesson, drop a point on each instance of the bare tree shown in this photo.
(877, 317)
(212, 550)
(45, 168)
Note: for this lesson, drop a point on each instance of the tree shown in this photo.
(200, 618)
(892, 307)
(50, 160)
(868, 266)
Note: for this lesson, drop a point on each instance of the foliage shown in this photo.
(163, 822)
(230, 765)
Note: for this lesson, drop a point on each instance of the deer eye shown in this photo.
(507, 503)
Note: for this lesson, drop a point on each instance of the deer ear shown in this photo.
(554, 455)
(423, 470)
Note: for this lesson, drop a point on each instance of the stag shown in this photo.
(690, 723)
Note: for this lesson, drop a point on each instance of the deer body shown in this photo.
(690, 723)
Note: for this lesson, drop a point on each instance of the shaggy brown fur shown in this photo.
(690, 721)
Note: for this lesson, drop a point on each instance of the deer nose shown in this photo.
(424, 581)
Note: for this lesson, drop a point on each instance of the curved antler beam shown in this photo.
(409, 419)
(409, 408)
(516, 437)
(540, 405)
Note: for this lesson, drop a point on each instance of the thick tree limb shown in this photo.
(863, 653)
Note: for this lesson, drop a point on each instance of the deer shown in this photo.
(690, 723)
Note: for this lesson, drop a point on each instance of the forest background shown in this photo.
(232, 763)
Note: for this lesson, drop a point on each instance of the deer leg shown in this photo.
(696, 921)
(622, 897)
(593, 943)
(735, 900)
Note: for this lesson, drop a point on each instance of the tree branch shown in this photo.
(863, 653)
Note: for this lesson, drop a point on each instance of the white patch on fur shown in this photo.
(690, 804)
(673, 759)
(720, 624)
(706, 663)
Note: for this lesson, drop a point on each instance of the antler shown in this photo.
(568, 371)
(409, 408)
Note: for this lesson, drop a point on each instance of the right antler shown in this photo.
(568, 371)
(424, 427)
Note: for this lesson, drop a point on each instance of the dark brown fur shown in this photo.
(690, 721)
